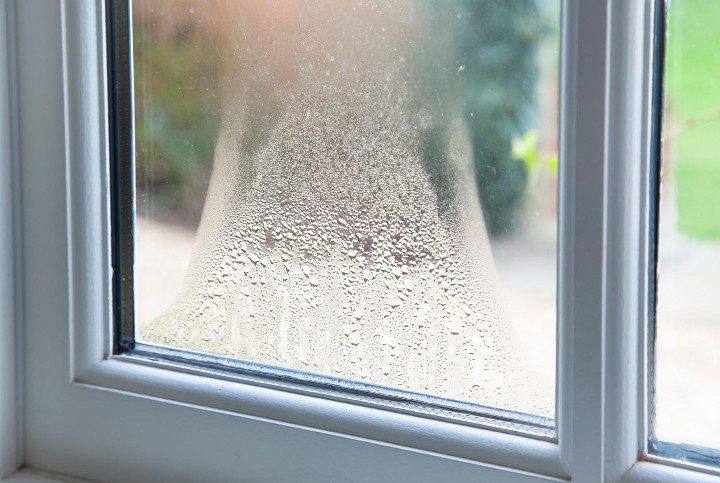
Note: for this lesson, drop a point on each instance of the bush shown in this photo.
(177, 116)
(498, 43)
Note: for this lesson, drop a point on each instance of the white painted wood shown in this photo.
(32, 476)
(9, 389)
(582, 233)
(25, 477)
(87, 183)
(605, 153)
(344, 418)
(628, 133)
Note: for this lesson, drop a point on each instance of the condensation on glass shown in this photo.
(309, 186)
(687, 353)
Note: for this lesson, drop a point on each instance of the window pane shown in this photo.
(688, 311)
(310, 177)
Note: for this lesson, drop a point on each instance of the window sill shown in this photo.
(233, 401)
(32, 476)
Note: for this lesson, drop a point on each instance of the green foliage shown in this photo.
(176, 115)
(498, 43)
(525, 148)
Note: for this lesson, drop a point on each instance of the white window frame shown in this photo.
(74, 409)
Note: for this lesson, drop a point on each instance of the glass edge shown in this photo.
(330, 387)
(122, 182)
(654, 194)
(686, 453)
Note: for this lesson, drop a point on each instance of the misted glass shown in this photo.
(687, 399)
(361, 189)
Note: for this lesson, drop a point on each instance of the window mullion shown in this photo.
(582, 235)
(631, 98)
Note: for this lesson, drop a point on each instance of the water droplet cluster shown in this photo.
(327, 247)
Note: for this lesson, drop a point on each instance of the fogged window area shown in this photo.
(359, 189)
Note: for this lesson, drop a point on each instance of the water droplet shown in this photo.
(359, 311)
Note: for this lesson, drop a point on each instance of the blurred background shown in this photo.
(511, 58)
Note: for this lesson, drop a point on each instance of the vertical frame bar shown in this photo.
(630, 216)
(122, 162)
(581, 240)
(606, 142)
(10, 402)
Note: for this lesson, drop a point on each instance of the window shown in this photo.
(92, 413)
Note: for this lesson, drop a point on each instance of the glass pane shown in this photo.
(310, 177)
(688, 312)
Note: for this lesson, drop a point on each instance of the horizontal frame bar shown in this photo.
(320, 385)
(132, 377)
